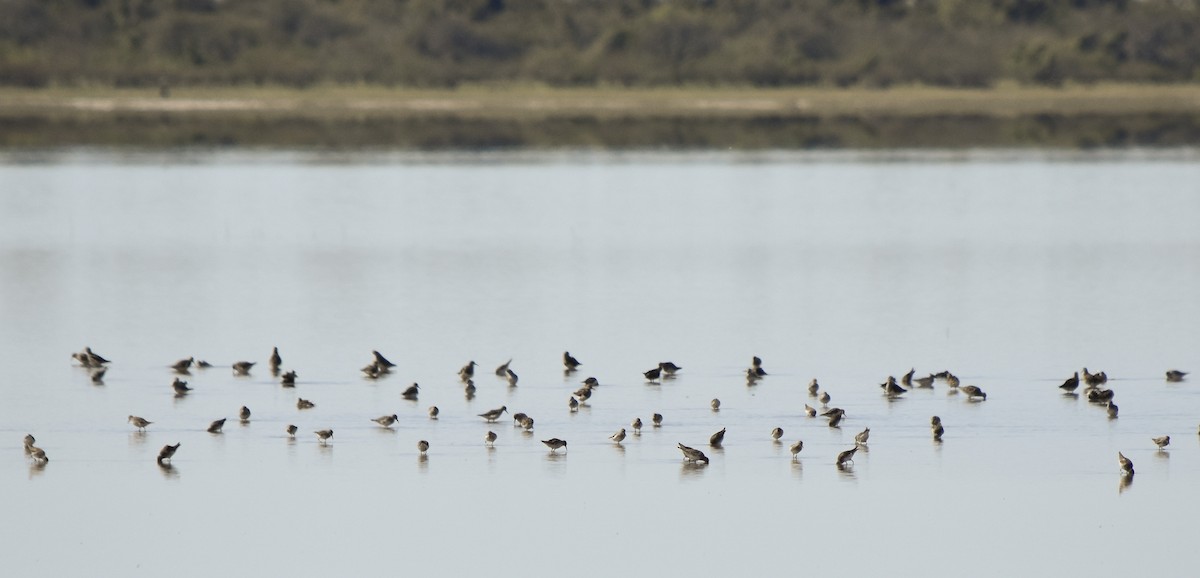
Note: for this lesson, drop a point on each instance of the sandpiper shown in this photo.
(935, 420)
(618, 437)
(833, 411)
(756, 365)
(422, 446)
(29, 441)
(591, 382)
(38, 455)
(215, 427)
(925, 382)
(182, 365)
(1176, 375)
(288, 379)
(813, 387)
(796, 447)
(511, 378)
(836, 419)
(242, 367)
(1071, 384)
(824, 399)
(937, 430)
(139, 423)
(492, 415)
(244, 414)
(973, 392)
(1094, 379)
(1162, 442)
(1126, 464)
(861, 437)
(891, 388)
(907, 379)
(386, 420)
(275, 361)
(434, 411)
(98, 376)
(203, 364)
(324, 435)
(502, 369)
(467, 371)
(777, 433)
(570, 362)
(1112, 409)
(752, 376)
(411, 392)
(716, 439)
(846, 456)
(653, 374)
(656, 419)
(527, 423)
(373, 370)
(668, 368)
(291, 430)
(583, 394)
(180, 386)
(810, 411)
(302, 403)
(382, 361)
(94, 357)
(164, 455)
(1100, 395)
(692, 454)
(715, 404)
(573, 404)
(489, 439)
(555, 443)
(517, 418)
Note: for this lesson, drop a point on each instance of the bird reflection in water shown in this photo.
(797, 469)
(36, 469)
(1125, 483)
(168, 471)
(137, 438)
(692, 470)
(423, 462)
(846, 470)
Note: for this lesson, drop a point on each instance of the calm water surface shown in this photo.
(1011, 270)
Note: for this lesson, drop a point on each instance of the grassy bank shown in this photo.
(536, 102)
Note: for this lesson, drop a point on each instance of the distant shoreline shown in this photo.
(517, 102)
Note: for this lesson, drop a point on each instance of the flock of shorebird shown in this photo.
(380, 366)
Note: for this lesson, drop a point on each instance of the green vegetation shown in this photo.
(639, 43)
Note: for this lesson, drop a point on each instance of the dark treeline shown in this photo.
(440, 43)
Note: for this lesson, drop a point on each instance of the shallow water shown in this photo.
(1012, 270)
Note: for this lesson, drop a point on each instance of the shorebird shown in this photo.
(1098, 395)
(908, 377)
(1126, 464)
(692, 454)
(38, 455)
(973, 392)
(637, 425)
(382, 361)
(242, 367)
(1071, 384)
(423, 446)
(527, 423)
(891, 388)
(656, 419)
(411, 392)
(467, 371)
(244, 414)
(215, 427)
(275, 361)
(836, 419)
(952, 381)
(813, 386)
(93, 357)
(846, 456)
(752, 376)
(82, 358)
(302, 403)
(937, 430)
(1176, 375)
(653, 374)
(756, 365)
(434, 411)
(796, 447)
(492, 415)
(833, 411)
(182, 365)
(489, 439)
(203, 364)
(583, 394)
(288, 379)
(669, 369)
(935, 420)
(373, 370)
(591, 382)
(777, 433)
(924, 382)
(1112, 409)
(502, 369)
(573, 404)
(291, 430)
(824, 399)
(810, 411)
(511, 377)
(1094, 379)
(29, 441)
(555, 443)
(715, 404)
(1162, 442)
(324, 435)
(98, 376)
(386, 420)
(517, 418)
(164, 455)
(618, 437)
(716, 439)
(180, 386)
(139, 422)
(570, 362)
(861, 437)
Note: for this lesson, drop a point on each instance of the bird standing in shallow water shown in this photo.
(796, 447)
(489, 439)
(656, 419)
(291, 430)
(810, 411)
(382, 361)
(275, 361)
(1175, 375)
(825, 398)
(1126, 464)
(139, 423)
(511, 377)
(288, 379)
(555, 443)
(846, 456)
(653, 374)
(1162, 442)
(716, 439)
(242, 367)
(38, 455)
(181, 387)
(573, 404)
(693, 455)
(434, 411)
(423, 446)
(973, 392)
(467, 371)
(244, 414)
(715, 404)
(570, 362)
(182, 365)
(215, 427)
(386, 420)
(908, 377)
(1071, 384)
(502, 369)
(1112, 409)
(492, 415)
(302, 403)
(813, 386)
(861, 437)
(836, 418)
(637, 426)
(411, 393)
(925, 382)
(777, 433)
(164, 455)
(618, 437)
(324, 435)
(669, 369)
